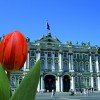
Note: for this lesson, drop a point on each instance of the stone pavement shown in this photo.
(66, 96)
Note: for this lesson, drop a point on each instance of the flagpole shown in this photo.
(47, 27)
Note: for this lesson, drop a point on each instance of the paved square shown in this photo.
(66, 96)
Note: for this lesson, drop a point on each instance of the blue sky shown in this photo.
(74, 20)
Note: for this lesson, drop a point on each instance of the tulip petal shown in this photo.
(28, 87)
(4, 85)
(13, 51)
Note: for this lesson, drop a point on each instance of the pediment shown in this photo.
(48, 39)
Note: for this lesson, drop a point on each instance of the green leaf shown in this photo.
(4, 85)
(28, 87)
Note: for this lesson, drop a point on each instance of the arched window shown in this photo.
(56, 54)
(87, 66)
(95, 82)
(42, 54)
(75, 66)
(65, 66)
(49, 65)
(49, 54)
(76, 82)
(42, 64)
(81, 67)
(94, 66)
(32, 62)
(56, 65)
(32, 53)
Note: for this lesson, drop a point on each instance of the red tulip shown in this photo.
(13, 51)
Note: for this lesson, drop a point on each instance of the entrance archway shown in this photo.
(66, 83)
(50, 83)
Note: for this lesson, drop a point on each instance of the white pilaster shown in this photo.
(72, 83)
(97, 64)
(24, 66)
(91, 70)
(42, 83)
(53, 63)
(60, 62)
(37, 55)
(61, 84)
(27, 61)
(98, 82)
(58, 84)
(38, 89)
(92, 82)
(72, 62)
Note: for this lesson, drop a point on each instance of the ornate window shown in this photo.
(87, 66)
(86, 56)
(94, 66)
(65, 66)
(42, 64)
(56, 65)
(81, 66)
(74, 55)
(76, 66)
(32, 53)
(80, 55)
(42, 54)
(95, 82)
(76, 82)
(77, 56)
(49, 54)
(32, 62)
(56, 54)
(49, 65)
(64, 54)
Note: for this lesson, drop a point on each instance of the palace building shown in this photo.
(63, 66)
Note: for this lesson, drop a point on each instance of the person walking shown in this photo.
(53, 93)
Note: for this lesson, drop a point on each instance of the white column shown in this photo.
(97, 64)
(38, 89)
(27, 61)
(60, 62)
(42, 83)
(53, 64)
(91, 70)
(58, 84)
(37, 55)
(24, 66)
(72, 62)
(72, 83)
(92, 82)
(98, 82)
(46, 67)
(61, 84)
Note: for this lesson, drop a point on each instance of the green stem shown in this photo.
(8, 75)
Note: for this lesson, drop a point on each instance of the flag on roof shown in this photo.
(48, 26)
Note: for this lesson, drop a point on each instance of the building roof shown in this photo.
(48, 40)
